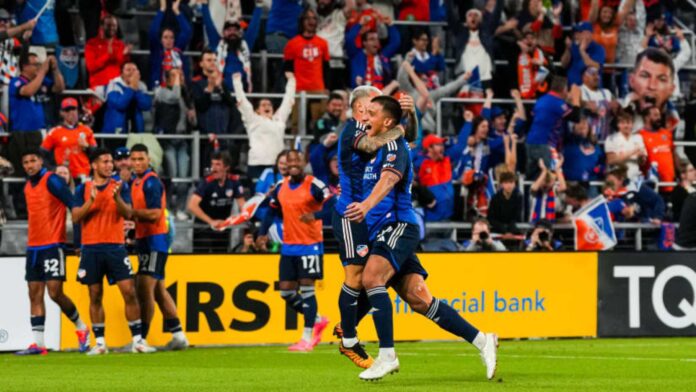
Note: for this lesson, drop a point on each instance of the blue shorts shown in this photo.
(294, 268)
(353, 240)
(45, 263)
(150, 261)
(110, 261)
(397, 242)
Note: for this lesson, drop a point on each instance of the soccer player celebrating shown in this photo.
(353, 149)
(96, 209)
(47, 197)
(149, 204)
(393, 228)
(299, 197)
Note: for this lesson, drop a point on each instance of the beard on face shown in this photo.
(233, 43)
(325, 9)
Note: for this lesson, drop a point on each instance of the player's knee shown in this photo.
(418, 298)
(55, 293)
(370, 281)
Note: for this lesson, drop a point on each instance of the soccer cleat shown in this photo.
(177, 344)
(379, 369)
(98, 349)
(33, 349)
(83, 339)
(338, 331)
(301, 346)
(319, 328)
(141, 346)
(489, 355)
(357, 354)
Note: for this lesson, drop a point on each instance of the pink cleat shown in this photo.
(301, 346)
(83, 339)
(319, 328)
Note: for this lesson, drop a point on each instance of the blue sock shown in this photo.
(292, 299)
(363, 307)
(309, 305)
(348, 306)
(172, 325)
(448, 319)
(136, 328)
(382, 315)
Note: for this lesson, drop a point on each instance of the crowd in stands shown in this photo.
(590, 98)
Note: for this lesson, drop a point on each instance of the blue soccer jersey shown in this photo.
(394, 157)
(351, 165)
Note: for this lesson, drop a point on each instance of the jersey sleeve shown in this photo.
(200, 189)
(60, 190)
(320, 192)
(79, 197)
(126, 193)
(238, 189)
(273, 199)
(49, 142)
(395, 159)
(153, 193)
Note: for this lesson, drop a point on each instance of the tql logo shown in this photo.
(687, 306)
(646, 294)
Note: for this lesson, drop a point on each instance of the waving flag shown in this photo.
(248, 211)
(593, 227)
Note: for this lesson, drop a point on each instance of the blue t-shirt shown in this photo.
(283, 17)
(549, 112)
(394, 157)
(581, 164)
(26, 113)
(577, 64)
(351, 165)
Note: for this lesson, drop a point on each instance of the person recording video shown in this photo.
(481, 240)
(541, 238)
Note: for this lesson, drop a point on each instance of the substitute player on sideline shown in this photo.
(299, 198)
(103, 251)
(148, 212)
(354, 148)
(47, 197)
(393, 227)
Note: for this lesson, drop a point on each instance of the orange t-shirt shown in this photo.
(308, 56)
(65, 145)
(608, 39)
(660, 148)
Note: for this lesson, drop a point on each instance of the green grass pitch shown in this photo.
(667, 364)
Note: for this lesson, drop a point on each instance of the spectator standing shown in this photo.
(332, 28)
(628, 46)
(281, 26)
(233, 47)
(624, 147)
(582, 158)
(582, 52)
(544, 192)
(598, 103)
(265, 127)
(475, 164)
(71, 141)
(27, 94)
(332, 119)
(105, 54)
(174, 114)
(126, 100)
(46, 32)
(645, 204)
(659, 144)
(506, 205)
(10, 45)
(427, 65)
(546, 25)
(371, 66)
(167, 46)
(481, 239)
(687, 179)
(531, 66)
(605, 23)
(212, 203)
(473, 40)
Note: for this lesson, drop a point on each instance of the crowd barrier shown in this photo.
(234, 300)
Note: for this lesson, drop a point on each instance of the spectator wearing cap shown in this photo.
(46, 31)
(233, 47)
(122, 166)
(71, 141)
(582, 52)
(371, 64)
(126, 100)
(435, 172)
(105, 54)
(473, 39)
(28, 93)
(167, 45)
(599, 104)
(11, 39)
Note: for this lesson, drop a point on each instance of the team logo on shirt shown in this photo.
(81, 273)
(362, 250)
(391, 157)
(229, 192)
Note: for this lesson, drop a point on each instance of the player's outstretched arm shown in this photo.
(357, 211)
(370, 144)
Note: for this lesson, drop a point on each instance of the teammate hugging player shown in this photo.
(353, 242)
(394, 231)
(100, 207)
(47, 197)
(299, 197)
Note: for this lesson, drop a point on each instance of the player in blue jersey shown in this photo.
(354, 148)
(394, 233)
